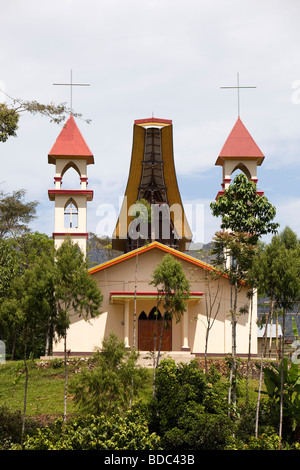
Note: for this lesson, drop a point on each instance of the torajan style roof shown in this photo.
(159, 133)
(70, 143)
(240, 144)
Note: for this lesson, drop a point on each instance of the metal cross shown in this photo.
(71, 84)
(238, 91)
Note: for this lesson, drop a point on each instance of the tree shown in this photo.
(245, 216)
(15, 214)
(242, 209)
(16, 257)
(29, 304)
(10, 114)
(275, 272)
(173, 290)
(237, 248)
(76, 293)
(9, 119)
(109, 386)
(213, 297)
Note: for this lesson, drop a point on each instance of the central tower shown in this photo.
(152, 178)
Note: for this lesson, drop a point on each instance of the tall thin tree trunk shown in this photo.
(160, 339)
(281, 378)
(249, 348)
(261, 370)
(66, 378)
(26, 387)
(232, 377)
(135, 294)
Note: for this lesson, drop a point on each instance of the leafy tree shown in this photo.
(245, 216)
(288, 394)
(16, 257)
(243, 210)
(29, 304)
(276, 273)
(173, 290)
(234, 246)
(15, 214)
(110, 384)
(9, 119)
(76, 293)
(10, 114)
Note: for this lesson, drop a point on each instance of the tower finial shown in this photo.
(238, 91)
(71, 84)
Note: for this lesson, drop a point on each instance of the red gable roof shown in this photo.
(70, 143)
(144, 249)
(240, 144)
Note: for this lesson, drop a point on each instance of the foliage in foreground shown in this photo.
(102, 432)
(112, 383)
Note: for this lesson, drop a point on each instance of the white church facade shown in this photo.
(129, 300)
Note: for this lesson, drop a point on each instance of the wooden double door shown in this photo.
(151, 325)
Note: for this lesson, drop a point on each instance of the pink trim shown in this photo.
(83, 192)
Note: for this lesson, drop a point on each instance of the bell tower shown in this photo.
(70, 151)
(239, 152)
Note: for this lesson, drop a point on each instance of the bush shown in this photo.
(96, 433)
(175, 386)
(10, 427)
(198, 430)
(112, 383)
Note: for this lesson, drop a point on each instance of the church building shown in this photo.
(129, 300)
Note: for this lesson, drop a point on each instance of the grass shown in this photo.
(45, 395)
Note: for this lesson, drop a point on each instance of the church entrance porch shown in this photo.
(139, 318)
(149, 332)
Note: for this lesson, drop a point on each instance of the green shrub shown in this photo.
(113, 381)
(96, 433)
(175, 386)
(10, 427)
(198, 430)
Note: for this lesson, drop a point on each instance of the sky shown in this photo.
(162, 58)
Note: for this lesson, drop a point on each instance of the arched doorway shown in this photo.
(148, 326)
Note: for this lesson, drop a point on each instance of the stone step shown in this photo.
(146, 358)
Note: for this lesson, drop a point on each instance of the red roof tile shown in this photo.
(70, 143)
(240, 144)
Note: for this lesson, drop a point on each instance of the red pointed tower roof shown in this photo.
(240, 144)
(70, 143)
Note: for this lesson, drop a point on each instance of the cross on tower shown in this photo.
(238, 91)
(71, 84)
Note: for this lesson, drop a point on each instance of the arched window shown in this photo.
(70, 176)
(143, 316)
(155, 313)
(71, 214)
